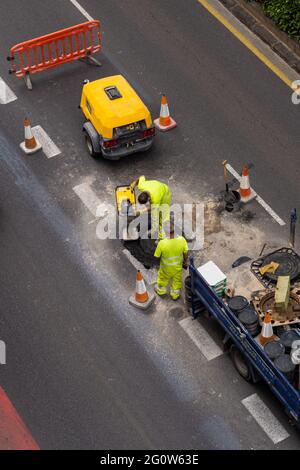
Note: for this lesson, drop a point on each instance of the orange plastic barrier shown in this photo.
(55, 49)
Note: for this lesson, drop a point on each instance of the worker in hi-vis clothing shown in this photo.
(173, 254)
(157, 198)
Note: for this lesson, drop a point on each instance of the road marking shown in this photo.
(150, 275)
(270, 210)
(82, 10)
(261, 50)
(201, 338)
(6, 94)
(88, 197)
(49, 147)
(14, 434)
(265, 418)
(257, 197)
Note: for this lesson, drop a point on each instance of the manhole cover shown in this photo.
(289, 265)
(263, 302)
(176, 313)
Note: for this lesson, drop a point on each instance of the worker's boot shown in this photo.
(160, 290)
(175, 294)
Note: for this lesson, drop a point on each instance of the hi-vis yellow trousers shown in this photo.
(167, 274)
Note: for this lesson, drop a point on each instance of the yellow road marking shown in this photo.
(247, 43)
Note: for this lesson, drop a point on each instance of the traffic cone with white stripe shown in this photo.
(142, 298)
(164, 122)
(246, 192)
(30, 144)
(266, 334)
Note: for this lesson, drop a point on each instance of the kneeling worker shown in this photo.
(156, 195)
(173, 254)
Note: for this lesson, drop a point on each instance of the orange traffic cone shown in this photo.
(164, 122)
(246, 192)
(266, 334)
(30, 144)
(141, 298)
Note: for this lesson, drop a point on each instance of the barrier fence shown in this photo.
(54, 49)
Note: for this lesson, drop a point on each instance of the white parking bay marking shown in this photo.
(201, 338)
(149, 275)
(258, 198)
(88, 197)
(82, 10)
(265, 418)
(6, 94)
(49, 147)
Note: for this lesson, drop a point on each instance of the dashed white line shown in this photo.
(82, 10)
(201, 338)
(149, 275)
(6, 94)
(265, 418)
(88, 197)
(233, 172)
(270, 210)
(49, 147)
(258, 198)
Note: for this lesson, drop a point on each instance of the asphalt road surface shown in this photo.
(84, 369)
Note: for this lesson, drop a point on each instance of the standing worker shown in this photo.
(173, 254)
(156, 195)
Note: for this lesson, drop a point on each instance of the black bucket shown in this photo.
(188, 283)
(285, 365)
(274, 349)
(198, 306)
(249, 318)
(232, 200)
(237, 304)
(287, 338)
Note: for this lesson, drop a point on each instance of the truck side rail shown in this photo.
(280, 386)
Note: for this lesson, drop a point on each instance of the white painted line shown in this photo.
(233, 172)
(270, 211)
(49, 147)
(82, 10)
(6, 94)
(258, 198)
(265, 418)
(150, 275)
(88, 197)
(201, 338)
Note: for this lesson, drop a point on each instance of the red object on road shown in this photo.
(246, 192)
(14, 435)
(164, 122)
(56, 48)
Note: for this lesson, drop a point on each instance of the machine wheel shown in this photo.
(89, 145)
(241, 364)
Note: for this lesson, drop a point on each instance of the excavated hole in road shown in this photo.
(143, 250)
